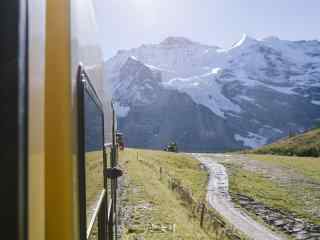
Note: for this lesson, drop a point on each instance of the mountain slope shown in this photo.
(158, 115)
(246, 96)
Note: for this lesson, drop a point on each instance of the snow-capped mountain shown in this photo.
(246, 96)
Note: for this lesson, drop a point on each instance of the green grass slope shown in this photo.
(304, 145)
(151, 210)
(287, 183)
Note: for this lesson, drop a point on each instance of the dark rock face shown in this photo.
(137, 84)
(270, 111)
(150, 126)
(154, 109)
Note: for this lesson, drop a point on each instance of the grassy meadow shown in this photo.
(151, 210)
(94, 181)
(154, 211)
(291, 184)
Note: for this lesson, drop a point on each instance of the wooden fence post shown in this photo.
(202, 215)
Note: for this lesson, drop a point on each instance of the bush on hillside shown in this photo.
(303, 145)
(309, 151)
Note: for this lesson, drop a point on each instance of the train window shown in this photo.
(93, 155)
(91, 160)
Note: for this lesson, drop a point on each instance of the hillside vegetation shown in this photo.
(304, 145)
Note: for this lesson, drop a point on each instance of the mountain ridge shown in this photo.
(242, 86)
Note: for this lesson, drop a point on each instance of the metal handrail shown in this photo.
(96, 213)
(110, 208)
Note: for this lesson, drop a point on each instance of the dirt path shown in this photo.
(219, 199)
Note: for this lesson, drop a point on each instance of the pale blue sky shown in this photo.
(126, 24)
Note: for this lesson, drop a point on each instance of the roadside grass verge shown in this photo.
(307, 166)
(298, 193)
(94, 181)
(183, 167)
(263, 190)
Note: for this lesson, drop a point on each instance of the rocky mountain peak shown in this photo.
(271, 39)
(177, 41)
(132, 60)
(133, 65)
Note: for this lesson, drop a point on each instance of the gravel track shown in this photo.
(219, 199)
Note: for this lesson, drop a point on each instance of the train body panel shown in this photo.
(43, 104)
(60, 126)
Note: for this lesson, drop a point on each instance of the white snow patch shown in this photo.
(246, 98)
(277, 130)
(206, 51)
(121, 111)
(134, 58)
(285, 90)
(206, 91)
(215, 70)
(244, 41)
(242, 77)
(316, 102)
(252, 140)
(148, 86)
(158, 68)
(273, 129)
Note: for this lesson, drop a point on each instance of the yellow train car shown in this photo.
(58, 149)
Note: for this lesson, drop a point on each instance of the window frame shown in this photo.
(85, 86)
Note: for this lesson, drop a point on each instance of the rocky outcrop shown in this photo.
(282, 221)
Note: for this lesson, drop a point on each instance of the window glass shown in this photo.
(93, 155)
